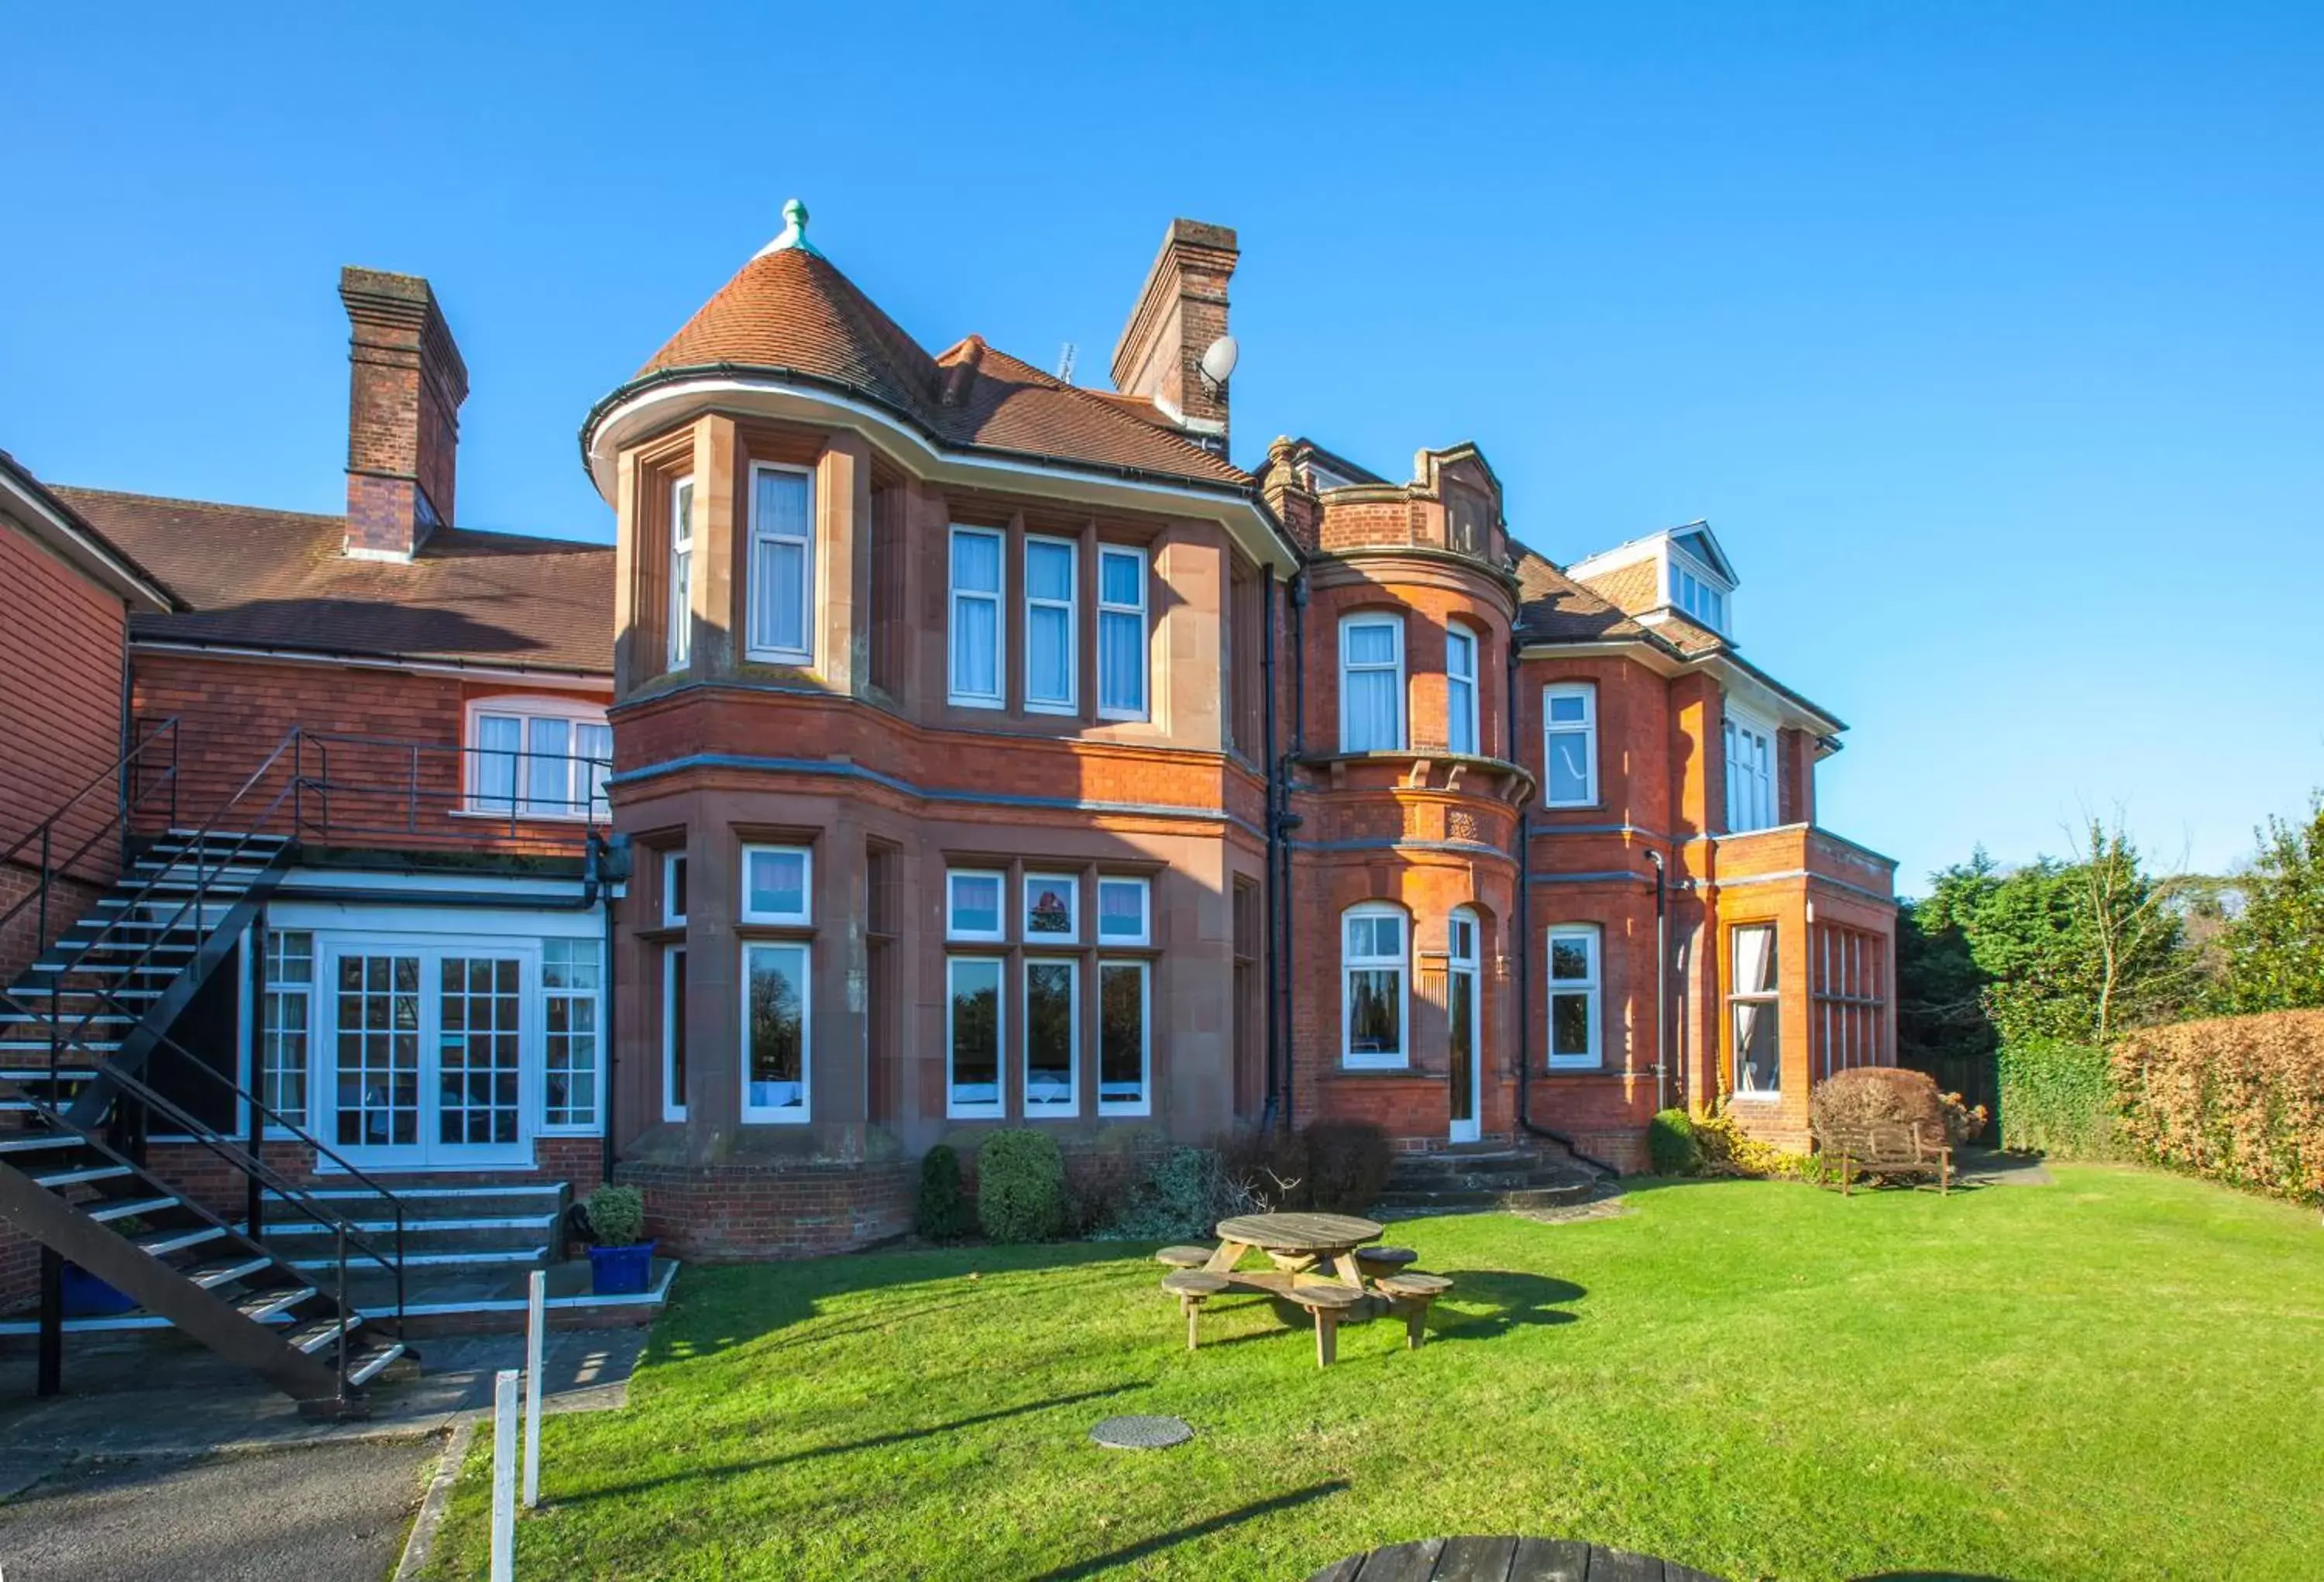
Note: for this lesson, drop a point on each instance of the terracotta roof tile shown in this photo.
(1551, 607)
(791, 309)
(1631, 588)
(276, 579)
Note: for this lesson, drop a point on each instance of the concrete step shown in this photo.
(1464, 1199)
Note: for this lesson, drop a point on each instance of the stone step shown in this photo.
(1461, 1200)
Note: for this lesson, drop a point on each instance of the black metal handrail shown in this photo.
(126, 807)
(418, 798)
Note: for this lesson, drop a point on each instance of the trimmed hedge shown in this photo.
(2057, 1098)
(2237, 1099)
(1020, 1186)
(1671, 1144)
(942, 1213)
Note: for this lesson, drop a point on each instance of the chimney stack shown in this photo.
(406, 383)
(1181, 313)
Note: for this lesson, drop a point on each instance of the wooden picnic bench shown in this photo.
(1322, 1264)
(1894, 1151)
(1505, 1559)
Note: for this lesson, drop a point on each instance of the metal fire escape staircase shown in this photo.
(89, 1067)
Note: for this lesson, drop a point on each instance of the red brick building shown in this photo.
(984, 750)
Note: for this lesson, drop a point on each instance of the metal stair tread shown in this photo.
(122, 1208)
(171, 1240)
(260, 1305)
(369, 1366)
(34, 1141)
(312, 1337)
(225, 1271)
(387, 1227)
(76, 1175)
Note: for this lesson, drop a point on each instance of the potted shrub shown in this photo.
(621, 1259)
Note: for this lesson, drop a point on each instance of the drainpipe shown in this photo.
(1662, 981)
(613, 1021)
(1286, 822)
(1273, 842)
(1525, 951)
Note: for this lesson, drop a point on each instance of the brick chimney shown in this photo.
(405, 385)
(1181, 312)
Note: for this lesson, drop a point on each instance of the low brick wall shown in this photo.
(782, 1210)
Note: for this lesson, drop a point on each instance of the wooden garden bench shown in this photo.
(1897, 1152)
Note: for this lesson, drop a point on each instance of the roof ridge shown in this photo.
(1096, 403)
(85, 490)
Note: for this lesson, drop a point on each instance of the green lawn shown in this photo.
(2114, 1376)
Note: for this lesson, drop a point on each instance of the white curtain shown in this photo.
(976, 614)
(1755, 973)
(498, 738)
(1121, 662)
(596, 745)
(1049, 654)
(1372, 711)
(549, 771)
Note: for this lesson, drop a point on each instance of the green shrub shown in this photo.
(1099, 1181)
(2056, 1097)
(942, 1214)
(1671, 1144)
(1020, 1186)
(1267, 1170)
(1347, 1165)
(1181, 1198)
(617, 1216)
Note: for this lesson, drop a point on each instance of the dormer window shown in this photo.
(1680, 571)
(1697, 579)
(1705, 603)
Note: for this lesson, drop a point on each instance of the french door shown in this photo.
(1460, 1013)
(428, 1047)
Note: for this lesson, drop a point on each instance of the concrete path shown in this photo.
(1982, 1167)
(165, 1462)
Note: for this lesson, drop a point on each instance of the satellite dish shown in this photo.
(1219, 359)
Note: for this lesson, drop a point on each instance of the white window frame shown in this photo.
(998, 1109)
(1072, 885)
(582, 797)
(1071, 605)
(1349, 625)
(999, 598)
(1072, 1107)
(1586, 727)
(755, 651)
(1352, 963)
(672, 861)
(1592, 989)
(803, 1112)
(1104, 940)
(287, 1012)
(802, 918)
(679, 646)
(1144, 1104)
(1456, 712)
(1743, 791)
(998, 933)
(673, 1093)
(1715, 590)
(1769, 1000)
(1145, 635)
(594, 1124)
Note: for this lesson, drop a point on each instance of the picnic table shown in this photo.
(1504, 1560)
(1307, 1241)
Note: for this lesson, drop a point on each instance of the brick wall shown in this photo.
(776, 1210)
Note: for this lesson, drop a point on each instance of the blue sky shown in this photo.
(1989, 337)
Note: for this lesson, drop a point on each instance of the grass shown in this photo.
(2111, 1377)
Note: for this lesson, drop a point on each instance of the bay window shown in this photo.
(1751, 802)
(976, 624)
(1121, 634)
(1372, 684)
(1052, 908)
(680, 617)
(1373, 957)
(775, 884)
(782, 565)
(1123, 912)
(1575, 1017)
(775, 1024)
(1053, 1038)
(673, 1033)
(1569, 727)
(1051, 658)
(973, 1027)
(972, 906)
(1125, 1050)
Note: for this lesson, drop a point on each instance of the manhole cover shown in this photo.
(1141, 1433)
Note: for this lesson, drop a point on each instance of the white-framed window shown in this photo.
(775, 1024)
(1372, 684)
(782, 565)
(284, 1022)
(1755, 1013)
(1053, 1038)
(1125, 911)
(1120, 633)
(972, 1038)
(778, 885)
(1052, 908)
(540, 757)
(974, 906)
(682, 572)
(572, 982)
(1460, 724)
(673, 1033)
(976, 623)
(1052, 656)
(673, 888)
(1575, 1008)
(1374, 949)
(1751, 800)
(1125, 1042)
(1703, 600)
(1569, 740)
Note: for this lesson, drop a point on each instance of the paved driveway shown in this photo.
(322, 1513)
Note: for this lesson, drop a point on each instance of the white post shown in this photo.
(535, 1321)
(504, 1476)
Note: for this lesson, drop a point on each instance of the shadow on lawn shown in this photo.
(1098, 1566)
(877, 1441)
(1929, 1576)
(1512, 1301)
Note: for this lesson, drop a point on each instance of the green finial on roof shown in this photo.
(794, 232)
